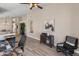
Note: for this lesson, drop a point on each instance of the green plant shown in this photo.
(22, 28)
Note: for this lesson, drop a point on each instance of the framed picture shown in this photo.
(50, 25)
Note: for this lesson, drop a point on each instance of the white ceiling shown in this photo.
(12, 9)
(17, 9)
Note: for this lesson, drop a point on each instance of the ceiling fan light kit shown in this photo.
(36, 5)
(32, 5)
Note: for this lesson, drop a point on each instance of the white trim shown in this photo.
(33, 37)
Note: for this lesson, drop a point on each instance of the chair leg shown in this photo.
(58, 50)
(22, 49)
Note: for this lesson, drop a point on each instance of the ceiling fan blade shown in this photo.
(39, 7)
(31, 7)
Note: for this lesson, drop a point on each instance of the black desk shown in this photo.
(48, 40)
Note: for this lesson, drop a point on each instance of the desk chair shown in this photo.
(68, 47)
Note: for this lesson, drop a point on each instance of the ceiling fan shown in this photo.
(32, 5)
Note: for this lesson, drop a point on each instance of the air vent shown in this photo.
(2, 10)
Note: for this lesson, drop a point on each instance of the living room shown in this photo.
(62, 16)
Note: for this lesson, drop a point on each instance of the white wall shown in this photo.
(75, 20)
(59, 12)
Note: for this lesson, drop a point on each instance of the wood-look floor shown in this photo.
(34, 48)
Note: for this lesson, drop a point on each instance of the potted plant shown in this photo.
(22, 28)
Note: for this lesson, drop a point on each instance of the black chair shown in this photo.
(68, 47)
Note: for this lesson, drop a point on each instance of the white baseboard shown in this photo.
(33, 37)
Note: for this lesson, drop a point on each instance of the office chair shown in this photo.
(68, 47)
